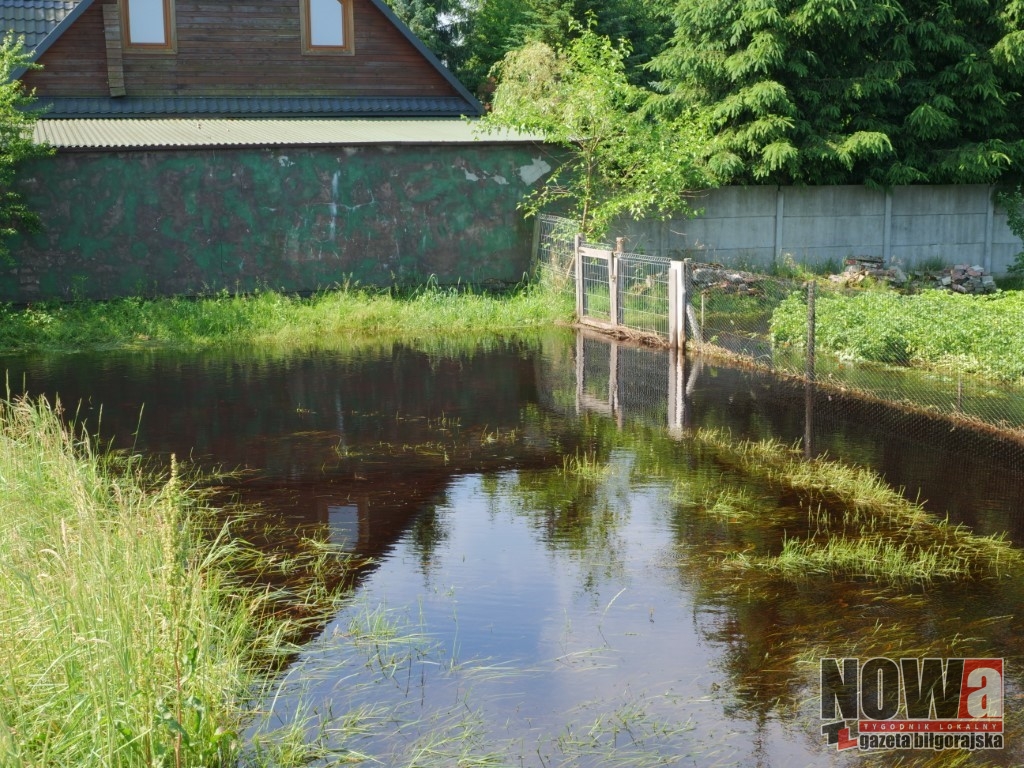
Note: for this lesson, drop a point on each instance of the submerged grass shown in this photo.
(272, 317)
(125, 640)
(585, 465)
(857, 524)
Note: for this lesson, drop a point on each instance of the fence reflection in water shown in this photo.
(731, 313)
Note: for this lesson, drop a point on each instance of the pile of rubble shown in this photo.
(861, 268)
(961, 278)
(728, 281)
(967, 279)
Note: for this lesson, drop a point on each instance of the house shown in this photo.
(288, 143)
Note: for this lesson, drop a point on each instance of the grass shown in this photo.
(126, 642)
(585, 465)
(981, 335)
(858, 526)
(271, 317)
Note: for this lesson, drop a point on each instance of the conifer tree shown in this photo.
(838, 91)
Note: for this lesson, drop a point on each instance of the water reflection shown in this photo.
(548, 584)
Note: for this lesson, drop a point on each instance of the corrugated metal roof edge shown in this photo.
(96, 141)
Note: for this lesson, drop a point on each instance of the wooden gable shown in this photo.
(226, 49)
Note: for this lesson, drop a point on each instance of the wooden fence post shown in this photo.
(581, 367)
(810, 329)
(614, 310)
(581, 291)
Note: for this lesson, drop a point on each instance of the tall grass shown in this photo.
(124, 643)
(935, 329)
(268, 316)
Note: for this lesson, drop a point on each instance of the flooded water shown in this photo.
(549, 543)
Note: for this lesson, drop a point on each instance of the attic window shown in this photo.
(149, 25)
(327, 26)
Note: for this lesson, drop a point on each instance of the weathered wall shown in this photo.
(187, 222)
(907, 225)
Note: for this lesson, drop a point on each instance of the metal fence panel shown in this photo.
(643, 293)
(762, 320)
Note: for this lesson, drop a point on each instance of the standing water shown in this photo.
(556, 554)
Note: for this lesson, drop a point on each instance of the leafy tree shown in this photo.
(838, 91)
(645, 25)
(616, 159)
(492, 28)
(16, 143)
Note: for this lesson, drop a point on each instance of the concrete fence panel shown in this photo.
(756, 227)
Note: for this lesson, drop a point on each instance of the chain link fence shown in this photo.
(920, 352)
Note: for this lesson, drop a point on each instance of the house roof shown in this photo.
(166, 133)
(42, 22)
(55, 107)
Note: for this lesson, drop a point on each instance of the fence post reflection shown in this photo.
(809, 419)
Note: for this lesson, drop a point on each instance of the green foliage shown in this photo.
(122, 644)
(493, 28)
(972, 334)
(440, 24)
(1013, 203)
(830, 92)
(619, 159)
(16, 143)
(272, 317)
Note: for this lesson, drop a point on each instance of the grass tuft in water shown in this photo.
(584, 465)
(857, 524)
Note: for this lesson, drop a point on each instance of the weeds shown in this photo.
(270, 317)
(585, 465)
(981, 335)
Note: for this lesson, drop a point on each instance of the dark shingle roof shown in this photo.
(270, 106)
(35, 19)
(44, 21)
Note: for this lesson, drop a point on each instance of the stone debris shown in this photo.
(964, 278)
(728, 281)
(861, 268)
(961, 278)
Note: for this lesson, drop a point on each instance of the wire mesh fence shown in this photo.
(733, 310)
(556, 253)
(595, 272)
(920, 352)
(643, 293)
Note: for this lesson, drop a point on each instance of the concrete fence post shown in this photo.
(990, 218)
(677, 333)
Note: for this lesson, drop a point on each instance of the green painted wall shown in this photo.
(195, 221)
